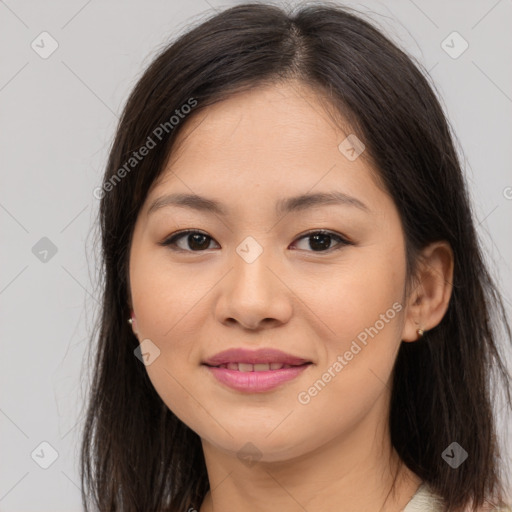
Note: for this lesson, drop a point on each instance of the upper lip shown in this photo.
(262, 355)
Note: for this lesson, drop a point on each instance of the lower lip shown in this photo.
(256, 382)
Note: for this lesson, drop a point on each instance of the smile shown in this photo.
(255, 378)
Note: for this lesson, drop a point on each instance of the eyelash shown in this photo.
(171, 240)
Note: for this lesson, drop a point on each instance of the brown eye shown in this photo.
(194, 241)
(320, 241)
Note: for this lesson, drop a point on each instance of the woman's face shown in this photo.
(252, 278)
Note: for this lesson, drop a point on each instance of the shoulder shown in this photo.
(426, 500)
(488, 507)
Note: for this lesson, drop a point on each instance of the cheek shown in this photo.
(167, 302)
(362, 306)
(161, 315)
(360, 291)
(163, 295)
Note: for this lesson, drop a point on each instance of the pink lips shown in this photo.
(259, 380)
(262, 355)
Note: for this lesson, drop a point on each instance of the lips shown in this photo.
(263, 359)
(258, 381)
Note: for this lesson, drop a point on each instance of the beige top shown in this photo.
(425, 500)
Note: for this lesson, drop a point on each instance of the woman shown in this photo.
(311, 325)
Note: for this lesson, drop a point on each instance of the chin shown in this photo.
(258, 446)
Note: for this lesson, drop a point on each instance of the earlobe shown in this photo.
(430, 298)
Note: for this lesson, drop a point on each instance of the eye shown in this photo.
(320, 241)
(197, 241)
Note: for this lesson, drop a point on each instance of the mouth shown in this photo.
(255, 378)
(253, 360)
(258, 367)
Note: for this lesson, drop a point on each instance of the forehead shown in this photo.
(270, 121)
(274, 139)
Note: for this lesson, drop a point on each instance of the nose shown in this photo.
(254, 295)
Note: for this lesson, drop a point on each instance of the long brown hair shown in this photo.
(136, 454)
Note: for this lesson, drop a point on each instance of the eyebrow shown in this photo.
(287, 205)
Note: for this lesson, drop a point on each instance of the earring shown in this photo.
(420, 332)
(131, 322)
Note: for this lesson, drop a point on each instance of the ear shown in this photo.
(428, 301)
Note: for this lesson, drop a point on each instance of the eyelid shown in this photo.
(342, 240)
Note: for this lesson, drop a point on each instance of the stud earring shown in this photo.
(132, 317)
(420, 332)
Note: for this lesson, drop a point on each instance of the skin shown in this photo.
(248, 152)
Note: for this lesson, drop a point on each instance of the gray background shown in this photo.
(57, 119)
